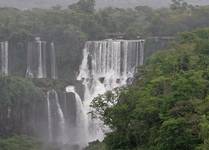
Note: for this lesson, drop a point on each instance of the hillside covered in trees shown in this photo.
(166, 108)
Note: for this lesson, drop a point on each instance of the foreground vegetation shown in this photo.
(167, 108)
(25, 143)
(19, 143)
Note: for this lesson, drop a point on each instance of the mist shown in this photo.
(27, 4)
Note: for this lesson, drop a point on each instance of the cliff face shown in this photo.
(22, 109)
(32, 107)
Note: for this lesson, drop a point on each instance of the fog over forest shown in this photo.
(24, 4)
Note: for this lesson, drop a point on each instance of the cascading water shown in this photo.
(52, 98)
(81, 120)
(4, 57)
(42, 58)
(36, 59)
(49, 116)
(53, 62)
(62, 120)
(106, 65)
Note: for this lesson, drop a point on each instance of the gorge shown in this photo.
(106, 65)
(79, 77)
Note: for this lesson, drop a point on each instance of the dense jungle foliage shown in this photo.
(168, 105)
(70, 28)
(165, 109)
(82, 21)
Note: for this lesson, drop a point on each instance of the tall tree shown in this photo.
(84, 5)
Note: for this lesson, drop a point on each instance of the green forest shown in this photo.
(166, 107)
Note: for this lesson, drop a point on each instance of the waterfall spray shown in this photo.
(36, 59)
(49, 116)
(53, 62)
(81, 118)
(106, 65)
(52, 96)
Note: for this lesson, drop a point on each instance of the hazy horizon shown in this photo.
(26, 4)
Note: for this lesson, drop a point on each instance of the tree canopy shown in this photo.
(167, 106)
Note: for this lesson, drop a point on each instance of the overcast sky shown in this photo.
(23, 4)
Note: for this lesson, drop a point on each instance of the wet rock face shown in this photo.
(4, 69)
(17, 58)
(32, 59)
(70, 110)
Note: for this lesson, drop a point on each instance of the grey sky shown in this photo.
(23, 4)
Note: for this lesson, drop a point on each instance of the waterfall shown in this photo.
(49, 116)
(4, 57)
(52, 97)
(40, 67)
(107, 64)
(37, 56)
(29, 72)
(62, 119)
(53, 62)
(41, 47)
(141, 52)
(36, 59)
(81, 119)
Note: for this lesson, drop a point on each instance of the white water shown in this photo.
(4, 57)
(53, 62)
(62, 137)
(106, 65)
(62, 124)
(41, 46)
(36, 59)
(40, 67)
(49, 116)
(81, 122)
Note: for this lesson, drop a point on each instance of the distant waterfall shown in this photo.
(30, 60)
(53, 62)
(36, 59)
(62, 119)
(106, 65)
(52, 98)
(81, 119)
(141, 62)
(4, 57)
(49, 116)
